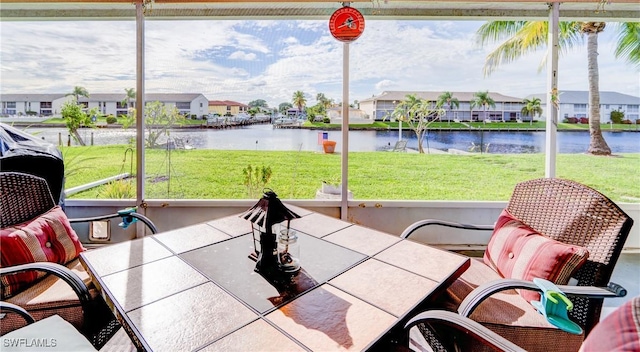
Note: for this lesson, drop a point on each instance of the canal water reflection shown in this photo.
(265, 137)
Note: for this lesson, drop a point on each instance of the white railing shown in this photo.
(390, 216)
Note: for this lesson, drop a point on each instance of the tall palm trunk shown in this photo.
(597, 144)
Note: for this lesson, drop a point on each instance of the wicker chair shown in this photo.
(619, 331)
(567, 212)
(67, 291)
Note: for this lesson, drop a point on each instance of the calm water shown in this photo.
(265, 137)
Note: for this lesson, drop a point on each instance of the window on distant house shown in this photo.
(633, 108)
(181, 105)
(580, 107)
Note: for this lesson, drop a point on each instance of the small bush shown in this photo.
(617, 116)
(626, 122)
(255, 179)
(111, 119)
(584, 120)
(119, 189)
(326, 120)
(571, 120)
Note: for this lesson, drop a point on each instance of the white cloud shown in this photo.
(241, 55)
(291, 40)
(248, 60)
(385, 84)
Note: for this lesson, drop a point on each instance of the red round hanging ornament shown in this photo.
(346, 24)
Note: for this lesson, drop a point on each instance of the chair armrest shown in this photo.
(136, 215)
(465, 325)
(484, 291)
(10, 307)
(428, 222)
(62, 272)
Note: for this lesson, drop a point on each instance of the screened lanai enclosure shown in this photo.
(125, 51)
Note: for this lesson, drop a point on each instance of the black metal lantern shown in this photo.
(268, 213)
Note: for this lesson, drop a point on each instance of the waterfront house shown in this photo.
(227, 107)
(575, 104)
(107, 103)
(506, 107)
(32, 104)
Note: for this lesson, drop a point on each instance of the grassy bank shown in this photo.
(217, 174)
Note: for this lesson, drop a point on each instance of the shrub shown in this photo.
(111, 119)
(626, 122)
(119, 189)
(326, 120)
(255, 179)
(617, 116)
(570, 120)
(584, 120)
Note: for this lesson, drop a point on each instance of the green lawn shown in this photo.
(217, 174)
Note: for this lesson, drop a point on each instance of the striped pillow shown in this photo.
(516, 251)
(47, 238)
(618, 331)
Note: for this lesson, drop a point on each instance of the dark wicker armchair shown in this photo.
(562, 210)
(67, 289)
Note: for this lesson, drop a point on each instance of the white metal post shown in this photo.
(552, 92)
(140, 228)
(344, 204)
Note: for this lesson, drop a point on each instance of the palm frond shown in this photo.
(523, 37)
(628, 42)
(530, 37)
(495, 31)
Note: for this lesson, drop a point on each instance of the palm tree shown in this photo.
(78, 92)
(528, 36)
(531, 108)
(448, 99)
(131, 95)
(483, 99)
(299, 100)
(419, 113)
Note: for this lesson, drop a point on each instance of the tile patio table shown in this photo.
(194, 288)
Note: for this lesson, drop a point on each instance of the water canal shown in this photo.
(265, 137)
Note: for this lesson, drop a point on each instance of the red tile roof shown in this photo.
(225, 103)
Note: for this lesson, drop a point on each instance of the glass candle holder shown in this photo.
(288, 251)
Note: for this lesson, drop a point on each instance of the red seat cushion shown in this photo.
(47, 238)
(619, 331)
(517, 251)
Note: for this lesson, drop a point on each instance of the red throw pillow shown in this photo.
(619, 331)
(47, 238)
(516, 251)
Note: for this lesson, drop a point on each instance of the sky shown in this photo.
(244, 60)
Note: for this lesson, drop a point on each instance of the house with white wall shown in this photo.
(107, 103)
(576, 104)
(508, 108)
(32, 104)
